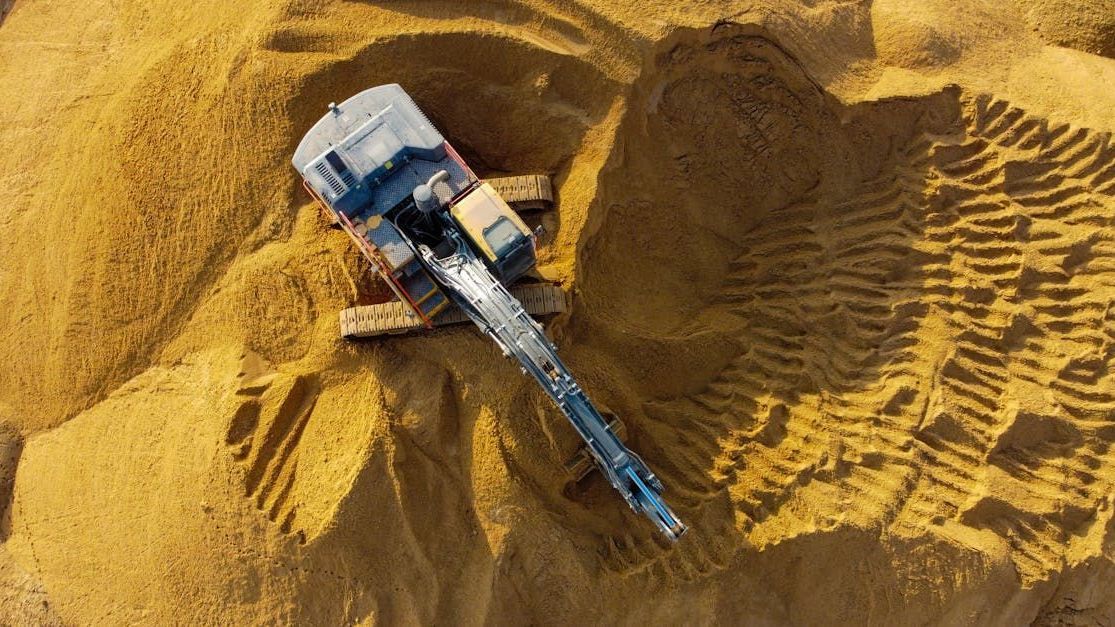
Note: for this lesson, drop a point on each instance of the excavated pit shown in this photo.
(867, 315)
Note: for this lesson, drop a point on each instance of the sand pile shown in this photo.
(846, 271)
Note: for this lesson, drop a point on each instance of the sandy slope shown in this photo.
(845, 269)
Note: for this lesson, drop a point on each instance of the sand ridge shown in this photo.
(843, 268)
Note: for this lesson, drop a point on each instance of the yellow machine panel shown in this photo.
(488, 221)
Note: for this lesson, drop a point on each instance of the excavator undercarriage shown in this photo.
(363, 321)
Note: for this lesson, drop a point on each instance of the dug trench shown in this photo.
(719, 282)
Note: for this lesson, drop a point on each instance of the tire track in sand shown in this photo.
(939, 345)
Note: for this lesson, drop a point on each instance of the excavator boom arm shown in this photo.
(500, 316)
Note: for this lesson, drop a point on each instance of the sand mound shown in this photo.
(847, 279)
(1089, 27)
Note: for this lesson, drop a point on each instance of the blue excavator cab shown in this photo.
(354, 148)
(366, 160)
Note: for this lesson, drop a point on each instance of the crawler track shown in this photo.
(525, 193)
(391, 318)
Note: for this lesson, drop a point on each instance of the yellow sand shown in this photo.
(845, 269)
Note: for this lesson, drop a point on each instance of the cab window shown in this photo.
(501, 236)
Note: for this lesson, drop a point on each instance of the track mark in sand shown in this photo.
(1047, 341)
(763, 138)
(551, 31)
(565, 30)
(940, 345)
(264, 435)
(559, 27)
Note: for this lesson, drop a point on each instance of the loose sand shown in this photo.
(845, 269)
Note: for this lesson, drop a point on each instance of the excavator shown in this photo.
(450, 248)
